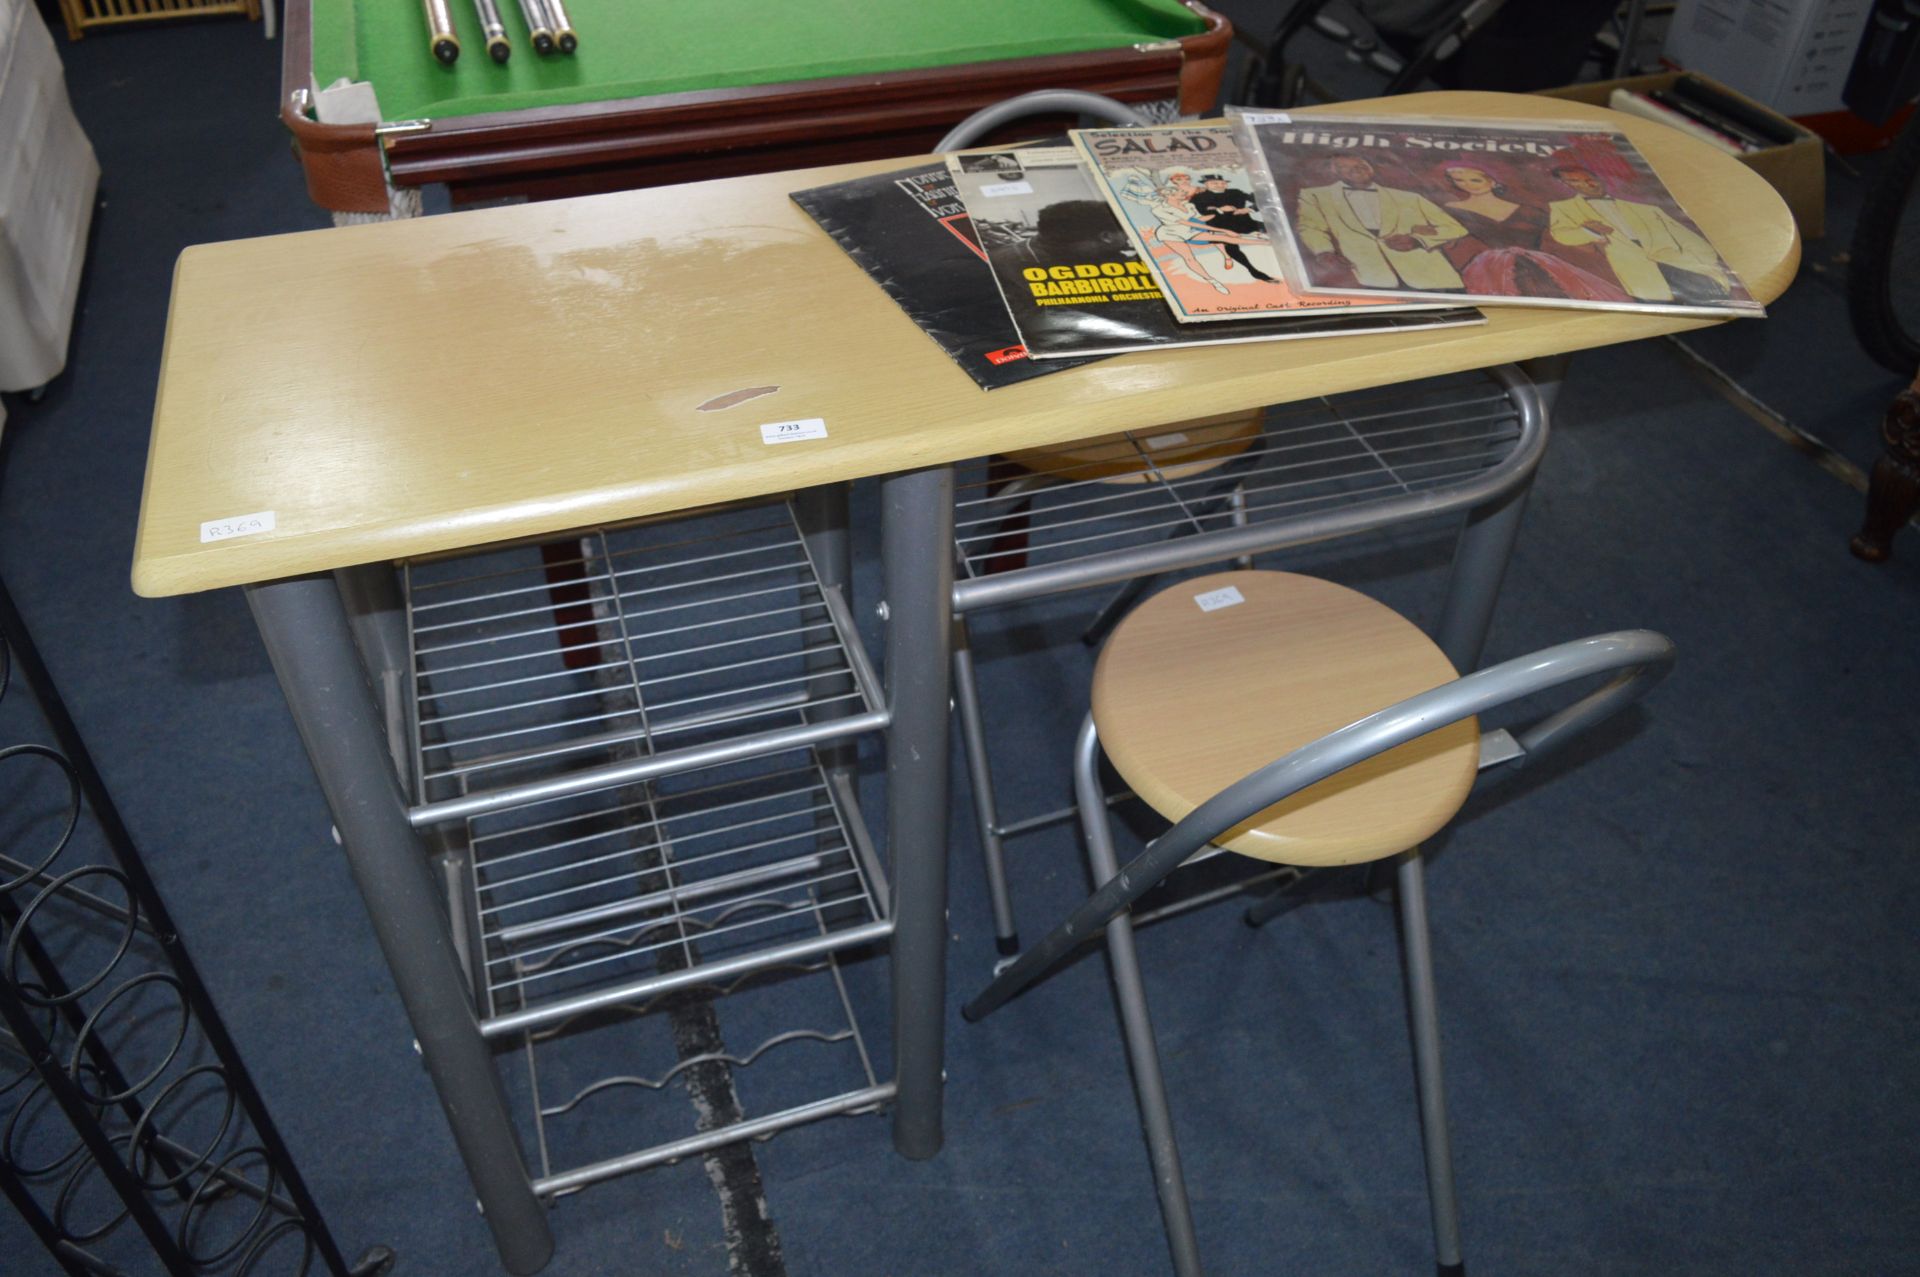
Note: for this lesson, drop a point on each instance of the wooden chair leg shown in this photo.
(1008, 550)
(572, 603)
(1893, 493)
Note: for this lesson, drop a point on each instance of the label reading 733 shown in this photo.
(789, 431)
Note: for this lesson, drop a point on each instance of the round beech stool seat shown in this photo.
(1221, 701)
(1221, 674)
(1173, 451)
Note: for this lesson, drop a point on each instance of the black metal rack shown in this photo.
(116, 1071)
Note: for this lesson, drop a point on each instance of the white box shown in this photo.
(48, 175)
(1793, 55)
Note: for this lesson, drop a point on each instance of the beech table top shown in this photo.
(380, 391)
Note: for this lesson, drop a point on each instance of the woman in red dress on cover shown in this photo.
(1505, 253)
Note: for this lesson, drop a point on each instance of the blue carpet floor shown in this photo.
(1679, 981)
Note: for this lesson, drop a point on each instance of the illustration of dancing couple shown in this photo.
(1189, 214)
(1482, 239)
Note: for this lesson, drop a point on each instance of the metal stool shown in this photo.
(1226, 443)
(1197, 494)
(1210, 679)
(1122, 509)
(1180, 453)
(1179, 450)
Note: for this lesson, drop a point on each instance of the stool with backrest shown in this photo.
(1165, 455)
(1292, 720)
(1223, 445)
(1176, 450)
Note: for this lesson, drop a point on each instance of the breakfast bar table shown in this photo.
(332, 403)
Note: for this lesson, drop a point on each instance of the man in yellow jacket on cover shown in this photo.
(1655, 257)
(1388, 238)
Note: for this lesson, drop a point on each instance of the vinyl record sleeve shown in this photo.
(910, 233)
(1075, 284)
(1184, 197)
(1536, 213)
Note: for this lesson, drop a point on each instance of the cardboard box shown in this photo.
(1792, 55)
(1798, 170)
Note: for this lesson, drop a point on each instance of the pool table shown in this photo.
(680, 91)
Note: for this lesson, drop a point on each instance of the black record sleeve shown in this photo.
(910, 233)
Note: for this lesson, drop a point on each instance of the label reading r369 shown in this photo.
(240, 525)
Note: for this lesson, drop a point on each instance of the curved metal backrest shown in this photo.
(1637, 658)
(1040, 102)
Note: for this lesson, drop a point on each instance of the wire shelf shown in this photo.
(588, 901)
(1143, 488)
(751, 1054)
(615, 733)
(650, 641)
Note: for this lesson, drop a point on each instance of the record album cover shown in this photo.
(1184, 197)
(910, 233)
(1540, 213)
(1076, 284)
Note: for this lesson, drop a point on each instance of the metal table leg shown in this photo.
(377, 615)
(1480, 561)
(308, 638)
(1547, 373)
(824, 521)
(1481, 555)
(1473, 583)
(916, 544)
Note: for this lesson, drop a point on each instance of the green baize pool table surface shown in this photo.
(705, 44)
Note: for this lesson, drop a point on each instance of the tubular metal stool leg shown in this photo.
(1237, 506)
(1359, 643)
(1142, 1054)
(1422, 1011)
(822, 516)
(1291, 895)
(1233, 500)
(1015, 493)
(986, 815)
(1117, 605)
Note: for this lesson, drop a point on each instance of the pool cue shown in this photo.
(537, 25)
(499, 48)
(440, 37)
(563, 33)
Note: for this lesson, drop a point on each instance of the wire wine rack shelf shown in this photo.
(632, 744)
